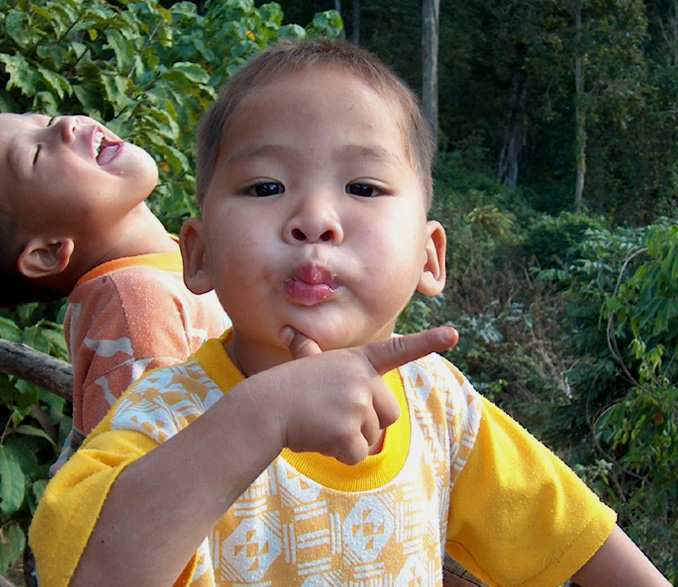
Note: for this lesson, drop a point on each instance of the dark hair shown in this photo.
(16, 288)
(289, 56)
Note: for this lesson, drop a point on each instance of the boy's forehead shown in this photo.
(325, 106)
(312, 84)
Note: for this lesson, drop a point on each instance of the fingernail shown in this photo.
(287, 335)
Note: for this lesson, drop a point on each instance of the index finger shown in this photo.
(386, 355)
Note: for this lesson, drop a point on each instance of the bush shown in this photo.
(553, 241)
(621, 293)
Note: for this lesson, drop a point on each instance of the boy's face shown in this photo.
(314, 218)
(68, 173)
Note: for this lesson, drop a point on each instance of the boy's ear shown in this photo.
(196, 275)
(433, 275)
(43, 257)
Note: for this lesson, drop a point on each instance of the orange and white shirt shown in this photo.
(126, 317)
(455, 473)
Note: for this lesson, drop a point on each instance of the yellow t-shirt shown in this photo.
(454, 473)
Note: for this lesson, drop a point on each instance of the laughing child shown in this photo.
(74, 222)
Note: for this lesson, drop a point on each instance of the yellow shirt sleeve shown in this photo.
(70, 507)
(526, 517)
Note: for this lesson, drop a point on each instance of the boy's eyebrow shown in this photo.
(374, 153)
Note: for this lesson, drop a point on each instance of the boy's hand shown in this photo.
(335, 402)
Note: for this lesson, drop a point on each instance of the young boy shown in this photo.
(245, 467)
(74, 222)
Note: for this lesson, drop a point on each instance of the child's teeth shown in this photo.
(97, 143)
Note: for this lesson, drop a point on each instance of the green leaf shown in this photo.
(15, 25)
(24, 453)
(56, 82)
(291, 31)
(89, 96)
(43, 12)
(12, 482)
(192, 71)
(325, 24)
(16, 541)
(116, 92)
(34, 431)
(9, 330)
(124, 51)
(20, 74)
(4, 558)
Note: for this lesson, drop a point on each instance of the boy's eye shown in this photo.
(364, 190)
(38, 148)
(265, 189)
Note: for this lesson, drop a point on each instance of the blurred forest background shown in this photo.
(556, 179)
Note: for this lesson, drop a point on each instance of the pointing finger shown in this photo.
(386, 355)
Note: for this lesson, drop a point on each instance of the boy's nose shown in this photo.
(313, 222)
(66, 127)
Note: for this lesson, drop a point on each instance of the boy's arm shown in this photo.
(162, 506)
(619, 563)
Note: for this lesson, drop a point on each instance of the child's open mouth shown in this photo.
(104, 151)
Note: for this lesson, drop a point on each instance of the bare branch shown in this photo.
(35, 367)
(5, 582)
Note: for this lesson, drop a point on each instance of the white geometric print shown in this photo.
(108, 348)
(316, 581)
(299, 487)
(413, 574)
(251, 549)
(367, 528)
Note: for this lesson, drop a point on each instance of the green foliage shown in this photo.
(622, 299)
(552, 241)
(34, 423)
(147, 72)
(580, 348)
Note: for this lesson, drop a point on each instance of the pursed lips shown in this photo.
(310, 284)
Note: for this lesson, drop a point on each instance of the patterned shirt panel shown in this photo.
(288, 528)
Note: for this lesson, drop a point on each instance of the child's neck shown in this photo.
(140, 234)
(251, 363)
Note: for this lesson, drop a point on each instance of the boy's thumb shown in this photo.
(386, 355)
(298, 344)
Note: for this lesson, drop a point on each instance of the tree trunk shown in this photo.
(356, 22)
(580, 112)
(512, 146)
(429, 46)
(337, 7)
